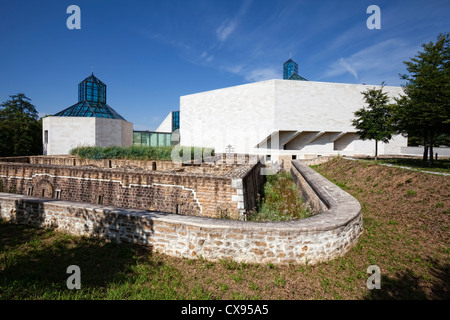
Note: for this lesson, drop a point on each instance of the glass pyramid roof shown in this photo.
(296, 76)
(91, 101)
(90, 109)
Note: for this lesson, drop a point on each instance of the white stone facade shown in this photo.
(166, 125)
(61, 134)
(303, 118)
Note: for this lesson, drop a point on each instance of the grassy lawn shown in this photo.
(440, 165)
(406, 233)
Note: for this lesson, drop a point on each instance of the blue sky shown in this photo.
(149, 53)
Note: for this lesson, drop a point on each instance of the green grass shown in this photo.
(136, 152)
(440, 165)
(281, 200)
(33, 264)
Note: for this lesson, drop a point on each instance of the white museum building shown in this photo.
(89, 122)
(291, 116)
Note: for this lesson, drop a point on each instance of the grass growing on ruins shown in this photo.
(280, 200)
(138, 152)
(406, 218)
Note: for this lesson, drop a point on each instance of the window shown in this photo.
(58, 194)
(137, 138)
(175, 120)
(46, 136)
(145, 138)
(154, 139)
(30, 191)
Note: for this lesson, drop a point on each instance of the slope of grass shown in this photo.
(442, 165)
(406, 233)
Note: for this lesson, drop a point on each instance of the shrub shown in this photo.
(133, 152)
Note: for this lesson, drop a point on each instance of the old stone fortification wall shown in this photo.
(322, 237)
(211, 191)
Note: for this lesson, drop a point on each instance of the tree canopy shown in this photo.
(20, 127)
(373, 121)
(424, 110)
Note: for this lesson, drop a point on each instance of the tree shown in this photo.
(374, 121)
(20, 128)
(424, 110)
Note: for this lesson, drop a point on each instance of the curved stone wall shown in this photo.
(324, 236)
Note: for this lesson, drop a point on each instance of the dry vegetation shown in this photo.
(406, 220)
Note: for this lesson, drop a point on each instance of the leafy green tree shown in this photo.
(20, 128)
(373, 122)
(424, 110)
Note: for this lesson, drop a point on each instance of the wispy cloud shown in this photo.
(261, 74)
(206, 57)
(340, 67)
(174, 42)
(254, 74)
(229, 26)
(381, 61)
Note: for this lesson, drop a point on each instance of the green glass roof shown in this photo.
(91, 101)
(295, 76)
(90, 109)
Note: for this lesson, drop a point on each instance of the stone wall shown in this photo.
(105, 163)
(322, 237)
(184, 190)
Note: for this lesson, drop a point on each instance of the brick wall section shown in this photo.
(322, 237)
(172, 192)
(104, 163)
(214, 167)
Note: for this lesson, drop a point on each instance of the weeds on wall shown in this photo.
(280, 201)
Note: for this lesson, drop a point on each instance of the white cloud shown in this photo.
(341, 67)
(226, 29)
(255, 74)
(234, 69)
(262, 74)
(206, 57)
(381, 61)
(228, 26)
